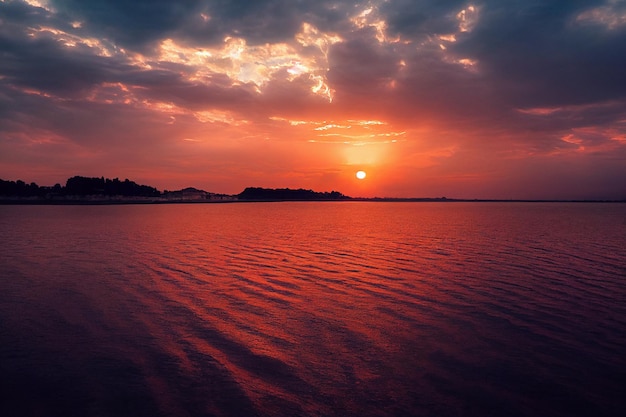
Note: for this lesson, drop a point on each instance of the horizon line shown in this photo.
(8, 198)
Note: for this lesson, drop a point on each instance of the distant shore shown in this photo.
(103, 191)
(156, 201)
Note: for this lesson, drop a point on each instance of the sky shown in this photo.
(511, 99)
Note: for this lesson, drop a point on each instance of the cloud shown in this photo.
(422, 18)
(360, 66)
(539, 53)
(140, 24)
(132, 24)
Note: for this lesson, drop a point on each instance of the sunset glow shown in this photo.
(494, 99)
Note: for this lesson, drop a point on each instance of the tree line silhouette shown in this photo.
(257, 193)
(86, 187)
(78, 186)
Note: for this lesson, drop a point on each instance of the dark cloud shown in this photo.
(411, 18)
(44, 64)
(14, 12)
(525, 55)
(263, 21)
(539, 55)
(528, 53)
(138, 24)
(361, 66)
(41, 64)
(130, 23)
(201, 96)
(256, 21)
(571, 117)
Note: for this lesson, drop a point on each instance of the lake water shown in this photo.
(313, 309)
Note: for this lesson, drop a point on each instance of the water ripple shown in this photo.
(313, 310)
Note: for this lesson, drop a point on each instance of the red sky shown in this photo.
(491, 99)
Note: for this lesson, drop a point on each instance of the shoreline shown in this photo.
(108, 202)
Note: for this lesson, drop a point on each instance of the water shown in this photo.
(313, 309)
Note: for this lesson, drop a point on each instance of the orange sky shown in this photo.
(492, 99)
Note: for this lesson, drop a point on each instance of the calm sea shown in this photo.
(313, 309)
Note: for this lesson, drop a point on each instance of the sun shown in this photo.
(361, 175)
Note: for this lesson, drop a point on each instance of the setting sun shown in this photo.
(361, 175)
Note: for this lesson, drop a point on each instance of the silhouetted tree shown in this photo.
(101, 186)
(20, 189)
(285, 194)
